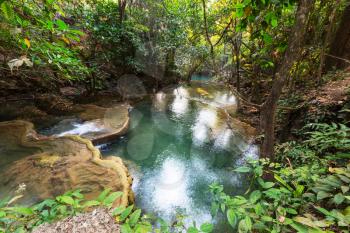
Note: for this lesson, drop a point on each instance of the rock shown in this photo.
(70, 91)
(54, 104)
(111, 122)
(97, 221)
(52, 166)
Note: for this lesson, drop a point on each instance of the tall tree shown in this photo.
(340, 47)
(122, 7)
(269, 107)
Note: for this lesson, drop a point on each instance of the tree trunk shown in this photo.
(122, 6)
(340, 46)
(268, 110)
(327, 40)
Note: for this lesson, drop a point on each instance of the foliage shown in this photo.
(38, 30)
(308, 192)
(15, 218)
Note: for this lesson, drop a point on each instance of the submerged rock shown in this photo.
(51, 166)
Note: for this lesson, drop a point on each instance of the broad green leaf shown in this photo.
(274, 22)
(2, 214)
(344, 189)
(126, 213)
(66, 200)
(125, 228)
(267, 218)
(322, 195)
(7, 10)
(338, 199)
(103, 195)
(255, 196)
(309, 222)
(243, 169)
(207, 227)
(118, 210)
(231, 217)
(248, 222)
(91, 203)
(134, 217)
(284, 183)
(22, 210)
(291, 211)
(61, 24)
(192, 230)
(214, 209)
(111, 198)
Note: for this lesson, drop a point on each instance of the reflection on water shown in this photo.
(180, 104)
(205, 121)
(177, 146)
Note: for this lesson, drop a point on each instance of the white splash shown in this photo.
(181, 101)
(80, 129)
(205, 121)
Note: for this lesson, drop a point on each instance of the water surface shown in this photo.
(177, 145)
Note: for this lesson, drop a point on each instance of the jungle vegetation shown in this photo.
(269, 52)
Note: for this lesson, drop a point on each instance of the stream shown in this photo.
(179, 142)
(177, 145)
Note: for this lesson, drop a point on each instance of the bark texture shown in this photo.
(340, 47)
(268, 110)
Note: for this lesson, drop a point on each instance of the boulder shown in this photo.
(51, 166)
(108, 123)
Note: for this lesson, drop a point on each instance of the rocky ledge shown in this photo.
(50, 166)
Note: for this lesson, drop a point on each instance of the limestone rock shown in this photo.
(51, 166)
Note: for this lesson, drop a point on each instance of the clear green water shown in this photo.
(177, 146)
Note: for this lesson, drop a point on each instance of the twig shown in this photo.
(339, 58)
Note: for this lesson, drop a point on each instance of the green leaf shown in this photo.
(2, 214)
(267, 38)
(61, 24)
(322, 195)
(338, 199)
(291, 211)
(7, 10)
(284, 183)
(22, 210)
(111, 198)
(255, 196)
(66, 200)
(134, 217)
(118, 210)
(126, 213)
(300, 228)
(266, 218)
(125, 228)
(214, 209)
(103, 195)
(91, 203)
(242, 169)
(344, 189)
(248, 222)
(231, 217)
(308, 222)
(192, 230)
(207, 227)
(274, 22)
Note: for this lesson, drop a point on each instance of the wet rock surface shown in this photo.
(50, 166)
(100, 124)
